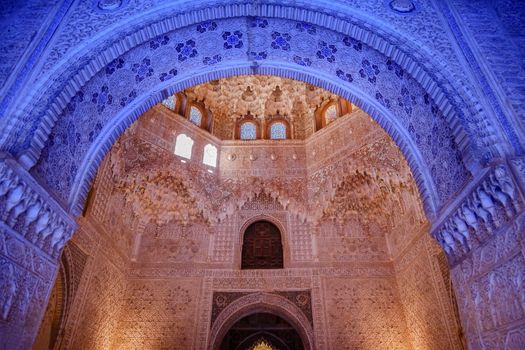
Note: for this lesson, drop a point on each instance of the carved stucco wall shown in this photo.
(149, 283)
(486, 257)
(22, 22)
(94, 311)
(158, 313)
(33, 231)
(364, 313)
(425, 292)
(492, 280)
(53, 325)
(502, 31)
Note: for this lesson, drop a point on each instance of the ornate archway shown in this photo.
(261, 303)
(62, 129)
(359, 79)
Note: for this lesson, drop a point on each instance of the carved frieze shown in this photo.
(490, 204)
(28, 210)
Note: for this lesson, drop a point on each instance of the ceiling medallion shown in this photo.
(402, 6)
(109, 5)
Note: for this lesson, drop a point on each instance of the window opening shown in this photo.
(183, 146)
(262, 247)
(195, 116)
(330, 114)
(170, 102)
(248, 131)
(210, 155)
(278, 131)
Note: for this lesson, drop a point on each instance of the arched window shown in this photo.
(248, 131)
(278, 131)
(210, 155)
(195, 116)
(330, 114)
(171, 102)
(262, 247)
(183, 146)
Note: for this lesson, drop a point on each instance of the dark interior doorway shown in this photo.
(267, 329)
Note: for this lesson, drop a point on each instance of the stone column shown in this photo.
(483, 235)
(33, 231)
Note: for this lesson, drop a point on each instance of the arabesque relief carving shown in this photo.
(168, 232)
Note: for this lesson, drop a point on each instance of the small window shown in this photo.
(170, 102)
(262, 247)
(210, 155)
(278, 131)
(195, 116)
(330, 114)
(248, 131)
(183, 146)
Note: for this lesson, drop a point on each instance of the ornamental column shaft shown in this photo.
(483, 235)
(33, 231)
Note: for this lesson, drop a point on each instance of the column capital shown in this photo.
(30, 211)
(491, 201)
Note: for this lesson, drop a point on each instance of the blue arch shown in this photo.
(456, 141)
(64, 75)
(111, 132)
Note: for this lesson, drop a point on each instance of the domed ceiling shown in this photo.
(263, 97)
(349, 174)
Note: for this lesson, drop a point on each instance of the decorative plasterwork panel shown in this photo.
(158, 312)
(374, 302)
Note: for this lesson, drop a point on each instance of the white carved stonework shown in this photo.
(492, 203)
(483, 238)
(25, 209)
(8, 288)
(33, 232)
